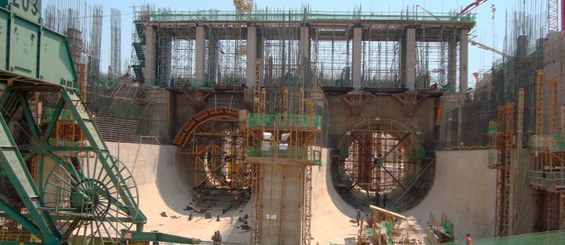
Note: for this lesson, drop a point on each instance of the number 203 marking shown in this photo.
(26, 6)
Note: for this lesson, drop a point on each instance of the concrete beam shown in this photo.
(463, 60)
(251, 54)
(150, 47)
(305, 55)
(410, 59)
(452, 61)
(200, 45)
(356, 59)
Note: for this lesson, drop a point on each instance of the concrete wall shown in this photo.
(554, 65)
(465, 190)
(343, 116)
(159, 165)
(283, 203)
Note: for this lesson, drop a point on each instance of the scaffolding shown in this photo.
(280, 149)
(548, 149)
(502, 139)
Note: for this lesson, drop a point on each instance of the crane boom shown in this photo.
(485, 47)
(471, 7)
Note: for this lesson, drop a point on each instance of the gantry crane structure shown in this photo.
(56, 193)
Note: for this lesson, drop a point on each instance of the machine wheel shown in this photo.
(92, 198)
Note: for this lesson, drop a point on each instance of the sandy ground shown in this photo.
(164, 184)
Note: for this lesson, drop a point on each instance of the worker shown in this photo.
(358, 217)
(469, 240)
(217, 238)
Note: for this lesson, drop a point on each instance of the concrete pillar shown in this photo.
(410, 59)
(164, 56)
(150, 47)
(251, 54)
(463, 60)
(213, 57)
(452, 61)
(522, 50)
(356, 59)
(200, 46)
(305, 55)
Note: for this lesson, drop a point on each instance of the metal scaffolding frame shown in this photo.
(504, 142)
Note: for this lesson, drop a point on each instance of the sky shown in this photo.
(489, 30)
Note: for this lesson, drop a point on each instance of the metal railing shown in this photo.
(547, 180)
(293, 15)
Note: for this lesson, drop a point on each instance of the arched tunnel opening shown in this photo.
(383, 164)
(214, 142)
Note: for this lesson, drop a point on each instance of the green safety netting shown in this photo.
(492, 130)
(292, 152)
(283, 120)
(559, 142)
(66, 114)
(540, 238)
(388, 226)
(546, 179)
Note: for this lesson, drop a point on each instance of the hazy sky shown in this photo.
(487, 31)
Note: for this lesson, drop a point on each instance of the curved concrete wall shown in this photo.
(465, 190)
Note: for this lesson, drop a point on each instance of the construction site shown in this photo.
(278, 126)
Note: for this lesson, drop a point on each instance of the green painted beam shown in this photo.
(38, 148)
(160, 237)
(53, 121)
(28, 115)
(16, 171)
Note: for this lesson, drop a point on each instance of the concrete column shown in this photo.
(150, 47)
(200, 46)
(356, 59)
(463, 60)
(251, 54)
(402, 63)
(164, 56)
(522, 50)
(410, 59)
(305, 55)
(452, 61)
(213, 57)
